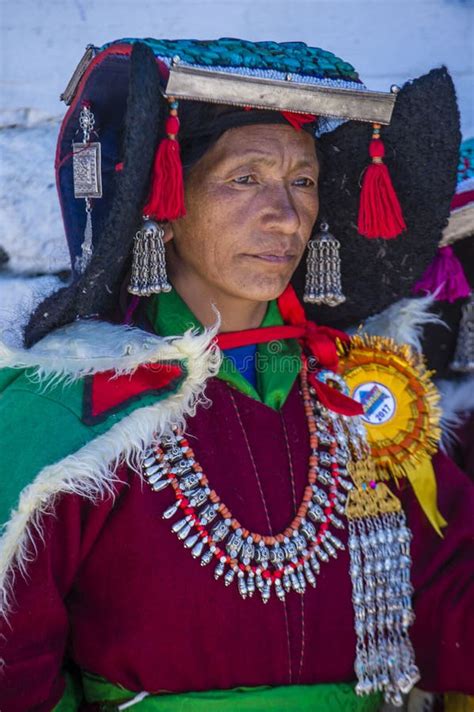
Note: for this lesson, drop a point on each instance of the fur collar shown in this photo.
(403, 321)
(457, 406)
(87, 347)
(66, 355)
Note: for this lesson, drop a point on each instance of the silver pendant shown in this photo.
(86, 166)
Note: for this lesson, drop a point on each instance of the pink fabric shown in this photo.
(114, 590)
(445, 274)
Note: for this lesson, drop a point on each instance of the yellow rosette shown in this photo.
(401, 413)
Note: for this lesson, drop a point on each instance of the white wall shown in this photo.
(387, 40)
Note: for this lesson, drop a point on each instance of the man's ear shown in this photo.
(168, 234)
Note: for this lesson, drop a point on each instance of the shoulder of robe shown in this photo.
(88, 396)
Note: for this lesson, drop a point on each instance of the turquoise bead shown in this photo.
(294, 57)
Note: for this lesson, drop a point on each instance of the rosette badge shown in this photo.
(401, 413)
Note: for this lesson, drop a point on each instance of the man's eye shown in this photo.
(305, 182)
(244, 180)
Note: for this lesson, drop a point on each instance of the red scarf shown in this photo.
(320, 341)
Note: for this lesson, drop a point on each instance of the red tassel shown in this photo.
(166, 199)
(380, 214)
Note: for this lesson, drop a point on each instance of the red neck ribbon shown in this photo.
(320, 341)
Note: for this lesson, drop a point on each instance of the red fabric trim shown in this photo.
(290, 307)
(334, 399)
(234, 339)
(295, 119)
(461, 199)
(298, 120)
(116, 49)
(321, 341)
(293, 313)
(108, 391)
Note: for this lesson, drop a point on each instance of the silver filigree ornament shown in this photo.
(148, 262)
(379, 548)
(323, 270)
(87, 177)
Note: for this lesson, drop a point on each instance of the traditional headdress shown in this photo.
(118, 159)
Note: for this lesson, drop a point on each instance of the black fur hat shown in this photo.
(96, 291)
(422, 149)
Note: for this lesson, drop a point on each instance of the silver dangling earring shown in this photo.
(148, 263)
(323, 270)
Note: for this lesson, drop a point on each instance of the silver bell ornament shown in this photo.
(323, 270)
(148, 264)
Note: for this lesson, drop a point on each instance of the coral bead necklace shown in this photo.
(283, 562)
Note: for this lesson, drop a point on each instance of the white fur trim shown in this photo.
(86, 347)
(90, 472)
(134, 701)
(457, 404)
(403, 321)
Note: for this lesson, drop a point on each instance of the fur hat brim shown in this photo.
(422, 145)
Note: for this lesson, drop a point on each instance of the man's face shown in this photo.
(251, 204)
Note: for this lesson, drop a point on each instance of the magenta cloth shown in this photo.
(445, 274)
(461, 199)
(134, 302)
(115, 591)
(461, 449)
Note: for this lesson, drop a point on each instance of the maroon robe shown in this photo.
(114, 590)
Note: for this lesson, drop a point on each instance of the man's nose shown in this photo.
(280, 213)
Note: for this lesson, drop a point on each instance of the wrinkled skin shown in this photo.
(251, 203)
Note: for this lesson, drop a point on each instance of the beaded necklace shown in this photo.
(284, 562)
(288, 561)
